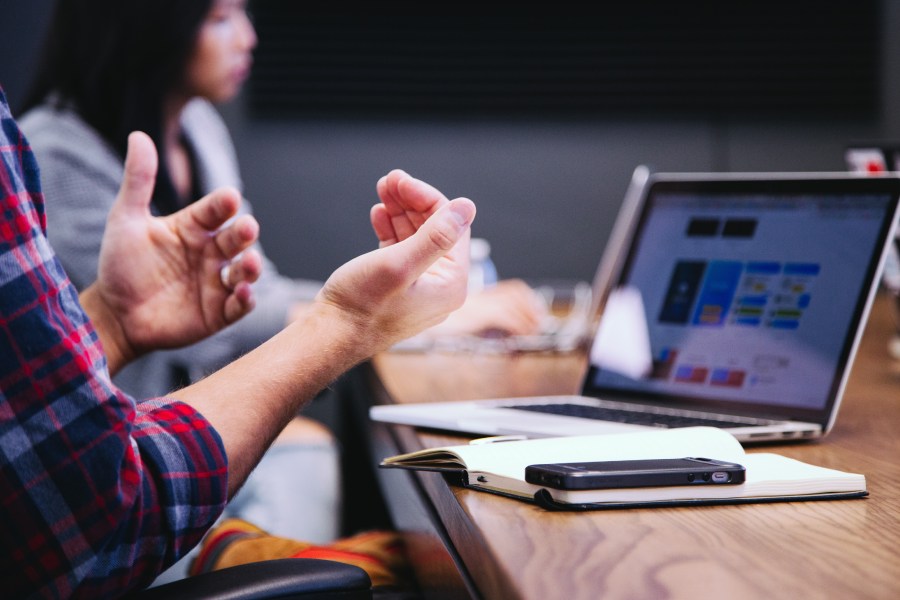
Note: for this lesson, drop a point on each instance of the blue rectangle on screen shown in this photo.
(717, 293)
(763, 268)
(753, 300)
(682, 291)
(751, 321)
(719, 376)
(802, 269)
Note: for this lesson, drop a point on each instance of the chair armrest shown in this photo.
(306, 578)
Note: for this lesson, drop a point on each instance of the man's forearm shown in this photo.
(367, 304)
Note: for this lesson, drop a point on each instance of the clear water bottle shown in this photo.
(482, 272)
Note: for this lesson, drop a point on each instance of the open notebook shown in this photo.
(500, 468)
(727, 300)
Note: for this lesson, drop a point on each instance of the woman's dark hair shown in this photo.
(115, 61)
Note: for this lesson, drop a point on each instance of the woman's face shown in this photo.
(223, 54)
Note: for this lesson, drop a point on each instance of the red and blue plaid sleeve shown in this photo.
(98, 494)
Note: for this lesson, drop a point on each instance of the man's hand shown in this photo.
(169, 281)
(412, 282)
(406, 203)
(511, 307)
(419, 274)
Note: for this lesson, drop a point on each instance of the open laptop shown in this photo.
(735, 301)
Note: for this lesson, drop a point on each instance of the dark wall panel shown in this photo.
(735, 58)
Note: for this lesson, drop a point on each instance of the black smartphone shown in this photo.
(635, 473)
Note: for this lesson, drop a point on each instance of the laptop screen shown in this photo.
(743, 295)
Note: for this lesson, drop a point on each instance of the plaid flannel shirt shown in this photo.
(98, 494)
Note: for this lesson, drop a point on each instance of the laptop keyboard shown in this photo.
(634, 417)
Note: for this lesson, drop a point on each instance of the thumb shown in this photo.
(437, 237)
(141, 163)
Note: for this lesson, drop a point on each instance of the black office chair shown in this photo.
(283, 579)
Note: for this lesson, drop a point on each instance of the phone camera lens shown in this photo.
(691, 477)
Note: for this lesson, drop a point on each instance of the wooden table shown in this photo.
(466, 543)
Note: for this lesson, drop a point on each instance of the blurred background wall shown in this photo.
(547, 151)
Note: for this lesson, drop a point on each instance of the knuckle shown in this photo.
(442, 236)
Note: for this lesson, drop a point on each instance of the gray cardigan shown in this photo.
(80, 176)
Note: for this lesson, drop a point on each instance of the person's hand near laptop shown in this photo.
(510, 307)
